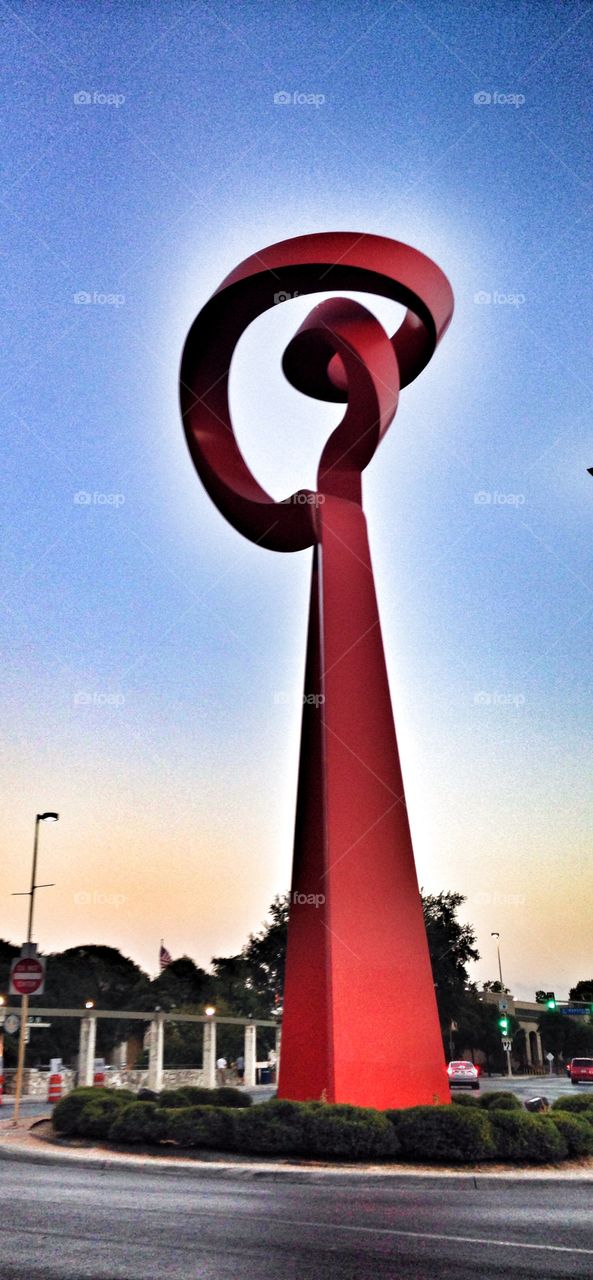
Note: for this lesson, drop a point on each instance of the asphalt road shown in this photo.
(59, 1223)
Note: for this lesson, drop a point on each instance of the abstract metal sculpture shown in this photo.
(360, 1019)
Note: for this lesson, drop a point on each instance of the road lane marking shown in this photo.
(429, 1235)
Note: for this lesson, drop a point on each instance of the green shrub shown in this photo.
(574, 1102)
(576, 1131)
(447, 1133)
(97, 1116)
(465, 1100)
(202, 1127)
(226, 1096)
(67, 1111)
(139, 1122)
(522, 1136)
(501, 1101)
(351, 1133)
(190, 1095)
(173, 1098)
(273, 1128)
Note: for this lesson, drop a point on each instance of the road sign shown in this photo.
(503, 1005)
(550, 1057)
(27, 976)
(506, 1044)
(12, 1023)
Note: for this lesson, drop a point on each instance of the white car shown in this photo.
(463, 1073)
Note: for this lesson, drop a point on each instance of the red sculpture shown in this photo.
(360, 1019)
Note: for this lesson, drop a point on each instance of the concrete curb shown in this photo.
(181, 1166)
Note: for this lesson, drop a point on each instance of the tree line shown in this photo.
(251, 984)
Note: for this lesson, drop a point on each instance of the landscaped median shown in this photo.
(496, 1127)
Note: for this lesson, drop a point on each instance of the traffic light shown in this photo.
(550, 1000)
(503, 1024)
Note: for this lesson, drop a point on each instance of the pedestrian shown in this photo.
(221, 1066)
(240, 1069)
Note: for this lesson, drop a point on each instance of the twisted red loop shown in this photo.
(340, 353)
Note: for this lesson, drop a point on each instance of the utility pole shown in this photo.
(40, 817)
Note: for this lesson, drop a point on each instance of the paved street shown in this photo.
(66, 1224)
(531, 1086)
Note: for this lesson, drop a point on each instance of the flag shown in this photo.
(165, 957)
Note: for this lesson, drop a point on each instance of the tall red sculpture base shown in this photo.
(360, 1019)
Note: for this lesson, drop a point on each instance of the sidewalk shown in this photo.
(22, 1143)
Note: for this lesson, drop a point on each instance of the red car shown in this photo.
(581, 1071)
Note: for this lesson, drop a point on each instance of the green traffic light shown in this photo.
(503, 1024)
(551, 1003)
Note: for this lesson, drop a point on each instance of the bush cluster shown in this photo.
(579, 1102)
(191, 1095)
(494, 1128)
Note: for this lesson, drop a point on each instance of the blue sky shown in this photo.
(153, 659)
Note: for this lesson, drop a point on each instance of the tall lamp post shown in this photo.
(497, 936)
(30, 894)
(502, 991)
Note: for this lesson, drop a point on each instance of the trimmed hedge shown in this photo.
(500, 1100)
(98, 1114)
(190, 1095)
(67, 1112)
(576, 1131)
(574, 1102)
(445, 1133)
(452, 1134)
(527, 1137)
(211, 1127)
(140, 1122)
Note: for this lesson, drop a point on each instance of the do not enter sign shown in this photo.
(27, 976)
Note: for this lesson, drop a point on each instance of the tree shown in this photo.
(181, 983)
(582, 992)
(101, 974)
(451, 945)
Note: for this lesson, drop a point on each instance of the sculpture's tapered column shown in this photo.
(361, 1022)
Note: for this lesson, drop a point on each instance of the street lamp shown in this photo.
(497, 936)
(49, 816)
(210, 1010)
(89, 1004)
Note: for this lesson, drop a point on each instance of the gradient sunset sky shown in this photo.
(153, 660)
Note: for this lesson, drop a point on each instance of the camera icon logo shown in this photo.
(82, 98)
(82, 298)
(482, 99)
(282, 98)
(482, 297)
